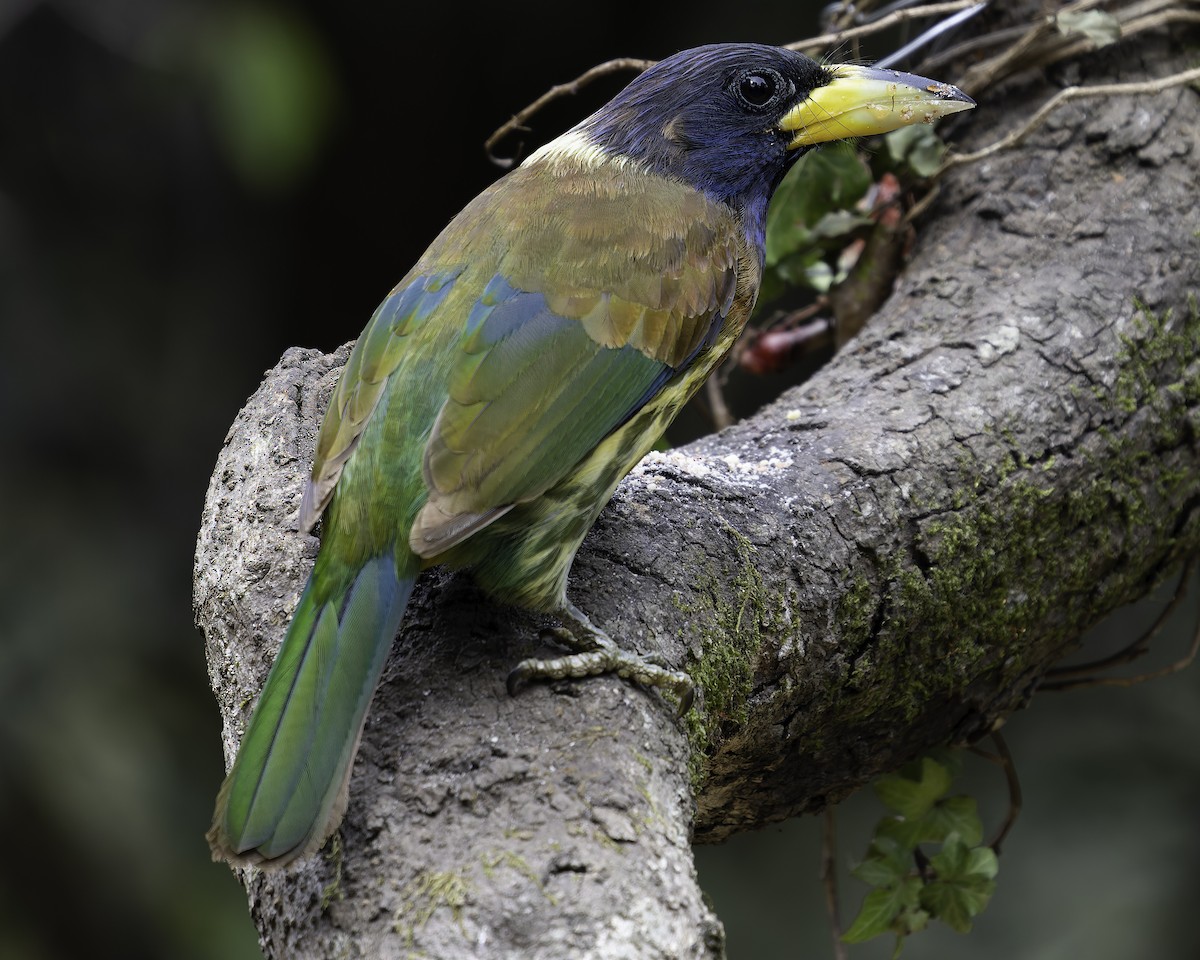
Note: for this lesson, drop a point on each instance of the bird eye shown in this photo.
(757, 88)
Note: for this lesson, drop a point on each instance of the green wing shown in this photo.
(541, 319)
(556, 357)
(368, 374)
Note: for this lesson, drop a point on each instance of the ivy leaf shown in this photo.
(949, 758)
(950, 863)
(879, 908)
(910, 921)
(820, 276)
(916, 147)
(828, 180)
(886, 908)
(839, 225)
(1099, 27)
(964, 885)
(944, 901)
(958, 815)
(906, 834)
(983, 862)
(914, 790)
(886, 865)
(957, 904)
(806, 268)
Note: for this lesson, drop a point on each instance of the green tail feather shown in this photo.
(287, 790)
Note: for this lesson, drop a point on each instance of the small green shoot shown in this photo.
(913, 886)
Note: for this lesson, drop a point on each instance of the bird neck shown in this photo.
(582, 150)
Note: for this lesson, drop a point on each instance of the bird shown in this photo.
(528, 360)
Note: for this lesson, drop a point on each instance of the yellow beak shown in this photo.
(864, 101)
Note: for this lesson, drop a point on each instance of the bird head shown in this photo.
(731, 118)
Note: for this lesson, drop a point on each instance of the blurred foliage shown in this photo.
(271, 90)
(825, 203)
(811, 216)
(911, 885)
(917, 149)
(129, 265)
(1099, 26)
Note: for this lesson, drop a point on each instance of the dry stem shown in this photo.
(519, 120)
(1063, 96)
(829, 880)
(1084, 675)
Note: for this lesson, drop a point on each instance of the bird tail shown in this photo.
(288, 787)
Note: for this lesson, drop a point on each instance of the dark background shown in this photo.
(186, 190)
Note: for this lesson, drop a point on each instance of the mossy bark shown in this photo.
(886, 559)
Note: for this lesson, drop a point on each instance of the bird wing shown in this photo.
(367, 375)
(565, 310)
(585, 320)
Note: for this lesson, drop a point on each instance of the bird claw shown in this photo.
(595, 653)
(559, 635)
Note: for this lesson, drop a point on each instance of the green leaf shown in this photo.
(910, 892)
(884, 867)
(951, 862)
(839, 225)
(272, 91)
(833, 178)
(914, 790)
(954, 815)
(911, 921)
(943, 901)
(879, 909)
(956, 861)
(948, 757)
(819, 276)
(961, 876)
(957, 903)
(1099, 27)
(964, 885)
(917, 147)
(983, 862)
(906, 834)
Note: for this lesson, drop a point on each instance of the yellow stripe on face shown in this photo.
(864, 101)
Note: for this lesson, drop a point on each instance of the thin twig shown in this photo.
(1181, 664)
(1084, 675)
(1159, 19)
(1135, 17)
(926, 38)
(829, 880)
(1063, 96)
(519, 120)
(722, 416)
(1140, 646)
(883, 23)
(1003, 758)
(1073, 45)
(1015, 799)
(929, 66)
(1045, 44)
(984, 74)
(925, 202)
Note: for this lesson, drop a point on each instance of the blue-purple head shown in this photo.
(730, 118)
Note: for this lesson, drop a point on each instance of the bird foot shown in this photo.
(596, 653)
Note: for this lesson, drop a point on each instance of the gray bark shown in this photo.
(886, 559)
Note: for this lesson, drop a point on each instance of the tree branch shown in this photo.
(886, 559)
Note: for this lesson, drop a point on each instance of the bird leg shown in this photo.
(597, 653)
